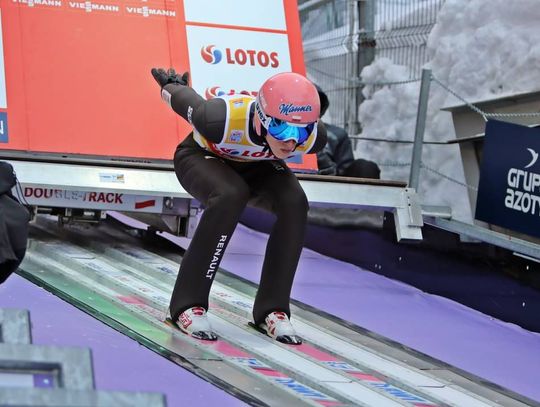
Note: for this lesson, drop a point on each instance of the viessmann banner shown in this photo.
(74, 75)
(509, 188)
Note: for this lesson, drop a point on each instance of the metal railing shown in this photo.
(341, 37)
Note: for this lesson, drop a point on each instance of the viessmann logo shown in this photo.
(212, 55)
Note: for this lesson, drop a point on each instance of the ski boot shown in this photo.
(194, 322)
(277, 326)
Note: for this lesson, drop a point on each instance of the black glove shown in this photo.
(165, 77)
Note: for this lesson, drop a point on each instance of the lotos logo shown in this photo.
(289, 108)
(211, 55)
(213, 92)
(216, 91)
(246, 153)
(240, 56)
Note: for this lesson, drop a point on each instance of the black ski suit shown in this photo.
(225, 165)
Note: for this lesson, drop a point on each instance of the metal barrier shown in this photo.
(341, 37)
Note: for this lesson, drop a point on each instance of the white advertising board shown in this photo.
(227, 59)
(269, 14)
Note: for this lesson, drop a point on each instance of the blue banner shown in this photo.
(509, 188)
(3, 128)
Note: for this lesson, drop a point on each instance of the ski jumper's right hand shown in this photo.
(208, 117)
(170, 76)
(170, 82)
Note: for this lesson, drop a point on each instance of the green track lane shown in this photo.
(101, 308)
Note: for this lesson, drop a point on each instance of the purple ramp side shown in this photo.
(499, 352)
(120, 363)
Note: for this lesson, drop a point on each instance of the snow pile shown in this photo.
(480, 49)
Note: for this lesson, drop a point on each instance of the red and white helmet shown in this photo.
(289, 98)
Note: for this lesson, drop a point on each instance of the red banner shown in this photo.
(76, 74)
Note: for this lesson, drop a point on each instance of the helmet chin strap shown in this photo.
(263, 132)
(258, 127)
(263, 119)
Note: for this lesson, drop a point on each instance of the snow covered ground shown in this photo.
(480, 49)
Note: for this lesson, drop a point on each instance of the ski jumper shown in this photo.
(226, 165)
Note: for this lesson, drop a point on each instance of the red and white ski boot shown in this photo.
(277, 326)
(194, 322)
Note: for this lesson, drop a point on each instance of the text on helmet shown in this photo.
(289, 108)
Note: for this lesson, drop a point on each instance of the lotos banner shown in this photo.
(509, 188)
(74, 75)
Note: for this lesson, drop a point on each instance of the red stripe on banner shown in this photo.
(294, 31)
(145, 204)
(237, 27)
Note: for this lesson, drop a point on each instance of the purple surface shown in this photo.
(120, 364)
(44, 380)
(499, 352)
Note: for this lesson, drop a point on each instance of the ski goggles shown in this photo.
(284, 131)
